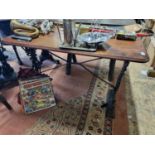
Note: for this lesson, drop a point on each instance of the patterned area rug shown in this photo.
(143, 96)
(131, 110)
(82, 115)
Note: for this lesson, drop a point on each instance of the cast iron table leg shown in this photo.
(8, 73)
(111, 69)
(45, 55)
(124, 68)
(74, 58)
(4, 101)
(17, 55)
(69, 63)
(36, 64)
(110, 107)
(70, 58)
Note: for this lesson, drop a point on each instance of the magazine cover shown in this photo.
(36, 94)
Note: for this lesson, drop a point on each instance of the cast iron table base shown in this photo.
(71, 59)
(8, 71)
(5, 102)
(37, 63)
(8, 75)
(109, 104)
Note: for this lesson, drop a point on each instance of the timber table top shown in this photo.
(121, 50)
(109, 22)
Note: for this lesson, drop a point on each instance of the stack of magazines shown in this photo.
(36, 94)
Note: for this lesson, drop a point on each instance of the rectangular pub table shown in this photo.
(126, 51)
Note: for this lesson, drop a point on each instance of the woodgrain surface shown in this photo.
(121, 50)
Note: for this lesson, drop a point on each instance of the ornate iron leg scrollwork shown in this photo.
(17, 55)
(46, 55)
(8, 75)
(5, 69)
(110, 102)
(36, 64)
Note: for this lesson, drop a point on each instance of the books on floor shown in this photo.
(36, 94)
